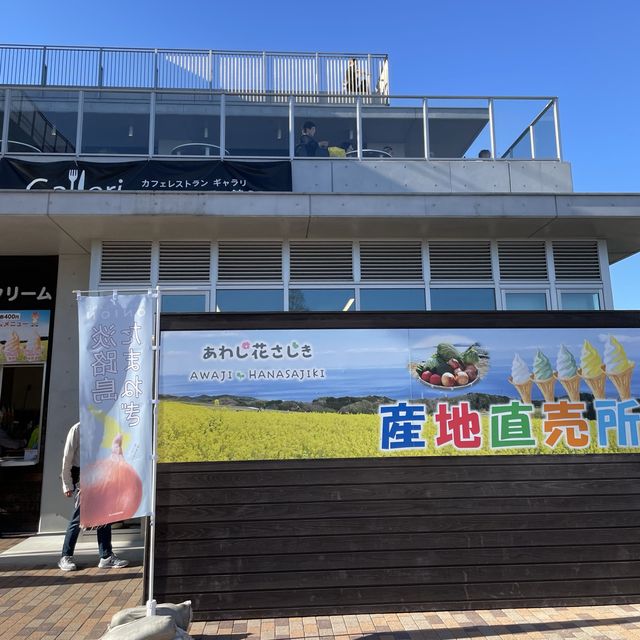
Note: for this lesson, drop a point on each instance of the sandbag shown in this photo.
(147, 628)
(180, 613)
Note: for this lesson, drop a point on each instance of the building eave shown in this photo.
(67, 222)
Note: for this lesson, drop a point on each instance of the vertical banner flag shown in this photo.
(116, 391)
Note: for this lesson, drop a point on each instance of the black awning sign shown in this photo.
(146, 175)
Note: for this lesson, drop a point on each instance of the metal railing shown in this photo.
(153, 123)
(231, 71)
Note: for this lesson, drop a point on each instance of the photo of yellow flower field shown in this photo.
(199, 432)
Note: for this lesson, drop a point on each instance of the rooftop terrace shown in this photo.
(228, 71)
(156, 102)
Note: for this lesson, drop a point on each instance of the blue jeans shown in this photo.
(73, 531)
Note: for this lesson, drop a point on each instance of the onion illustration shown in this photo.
(111, 489)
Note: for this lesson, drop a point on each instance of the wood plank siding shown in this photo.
(314, 537)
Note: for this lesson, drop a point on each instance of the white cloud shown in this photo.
(603, 337)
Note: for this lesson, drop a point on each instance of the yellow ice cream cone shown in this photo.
(571, 386)
(547, 388)
(596, 384)
(524, 389)
(622, 381)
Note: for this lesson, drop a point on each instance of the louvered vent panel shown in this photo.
(576, 260)
(250, 261)
(126, 262)
(460, 260)
(390, 261)
(184, 261)
(321, 261)
(522, 261)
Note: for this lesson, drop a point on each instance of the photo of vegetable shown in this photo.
(111, 489)
(452, 367)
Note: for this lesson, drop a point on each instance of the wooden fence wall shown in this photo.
(314, 537)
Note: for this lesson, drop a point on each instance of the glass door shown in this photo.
(21, 397)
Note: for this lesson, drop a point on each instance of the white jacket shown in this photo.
(70, 456)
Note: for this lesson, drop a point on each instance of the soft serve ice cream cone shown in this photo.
(567, 373)
(521, 378)
(34, 347)
(618, 367)
(543, 376)
(12, 347)
(592, 370)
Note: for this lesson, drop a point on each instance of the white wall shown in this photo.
(435, 176)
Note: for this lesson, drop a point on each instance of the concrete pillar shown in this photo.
(62, 408)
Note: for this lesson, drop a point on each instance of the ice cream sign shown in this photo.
(374, 392)
(576, 412)
(593, 371)
(23, 336)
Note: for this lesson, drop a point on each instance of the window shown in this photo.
(20, 413)
(463, 300)
(392, 300)
(249, 300)
(525, 301)
(322, 300)
(183, 302)
(580, 300)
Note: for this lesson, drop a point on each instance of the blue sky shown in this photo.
(585, 52)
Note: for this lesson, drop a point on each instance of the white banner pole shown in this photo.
(151, 603)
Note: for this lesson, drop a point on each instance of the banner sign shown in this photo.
(24, 336)
(146, 175)
(28, 282)
(116, 391)
(358, 393)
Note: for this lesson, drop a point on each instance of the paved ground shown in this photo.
(37, 601)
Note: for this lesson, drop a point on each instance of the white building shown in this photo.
(409, 219)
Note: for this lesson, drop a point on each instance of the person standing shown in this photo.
(71, 487)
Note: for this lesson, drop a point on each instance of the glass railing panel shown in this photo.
(393, 131)
(187, 124)
(255, 127)
(458, 128)
(43, 121)
(512, 119)
(2, 94)
(116, 123)
(521, 150)
(325, 131)
(544, 137)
